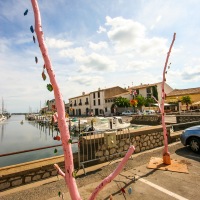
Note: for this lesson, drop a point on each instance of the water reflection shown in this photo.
(2, 132)
(29, 135)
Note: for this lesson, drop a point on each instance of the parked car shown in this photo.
(127, 112)
(149, 112)
(191, 137)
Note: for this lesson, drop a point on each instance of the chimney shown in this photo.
(83, 93)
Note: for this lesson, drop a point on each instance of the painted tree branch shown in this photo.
(114, 174)
(165, 151)
(157, 103)
(59, 170)
(64, 131)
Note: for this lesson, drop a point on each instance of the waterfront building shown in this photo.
(176, 96)
(98, 102)
(147, 90)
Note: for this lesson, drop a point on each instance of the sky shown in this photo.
(96, 44)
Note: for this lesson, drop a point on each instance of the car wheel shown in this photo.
(195, 144)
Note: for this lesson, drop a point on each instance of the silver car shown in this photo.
(191, 137)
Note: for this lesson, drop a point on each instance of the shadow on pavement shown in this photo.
(122, 185)
(188, 153)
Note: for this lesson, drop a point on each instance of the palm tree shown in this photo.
(186, 100)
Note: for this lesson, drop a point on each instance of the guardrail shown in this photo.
(102, 146)
(29, 150)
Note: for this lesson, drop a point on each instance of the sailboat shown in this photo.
(4, 114)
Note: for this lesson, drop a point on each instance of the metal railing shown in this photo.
(30, 150)
(95, 146)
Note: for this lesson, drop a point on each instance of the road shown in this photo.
(145, 183)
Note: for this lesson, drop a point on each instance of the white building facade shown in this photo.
(95, 103)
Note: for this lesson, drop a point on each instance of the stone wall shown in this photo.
(187, 118)
(143, 139)
(182, 126)
(146, 119)
(25, 173)
(141, 143)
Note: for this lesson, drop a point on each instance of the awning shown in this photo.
(196, 103)
(165, 104)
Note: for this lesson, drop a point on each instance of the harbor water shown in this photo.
(18, 134)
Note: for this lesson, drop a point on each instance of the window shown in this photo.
(80, 103)
(106, 109)
(98, 94)
(148, 90)
(148, 95)
(94, 102)
(86, 102)
(98, 101)
(93, 95)
(106, 101)
(74, 102)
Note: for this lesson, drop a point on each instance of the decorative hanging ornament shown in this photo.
(70, 141)
(33, 38)
(32, 30)
(26, 12)
(36, 59)
(123, 190)
(57, 138)
(43, 76)
(49, 87)
(130, 190)
(55, 150)
(74, 174)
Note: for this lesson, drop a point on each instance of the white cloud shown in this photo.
(124, 31)
(153, 46)
(57, 43)
(96, 62)
(87, 80)
(101, 30)
(191, 73)
(4, 43)
(129, 35)
(98, 46)
(73, 53)
(156, 22)
(138, 65)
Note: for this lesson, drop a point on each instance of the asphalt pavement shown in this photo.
(136, 181)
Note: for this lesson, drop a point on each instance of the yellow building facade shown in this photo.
(176, 96)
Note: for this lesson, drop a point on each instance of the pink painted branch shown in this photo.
(165, 152)
(59, 170)
(114, 174)
(64, 131)
(157, 103)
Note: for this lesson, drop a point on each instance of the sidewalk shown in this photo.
(136, 179)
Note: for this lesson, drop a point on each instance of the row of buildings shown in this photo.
(100, 102)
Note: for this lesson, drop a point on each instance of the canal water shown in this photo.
(16, 136)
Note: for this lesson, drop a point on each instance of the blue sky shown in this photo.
(96, 44)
